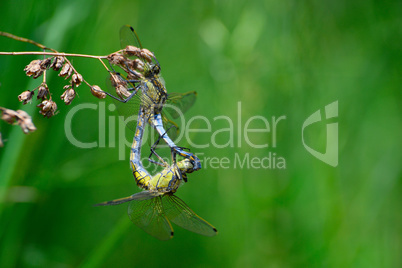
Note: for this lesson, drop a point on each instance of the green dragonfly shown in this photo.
(144, 88)
(154, 208)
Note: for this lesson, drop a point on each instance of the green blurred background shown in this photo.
(278, 58)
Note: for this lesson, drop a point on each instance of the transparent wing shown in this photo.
(129, 37)
(144, 195)
(178, 103)
(128, 111)
(178, 212)
(148, 214)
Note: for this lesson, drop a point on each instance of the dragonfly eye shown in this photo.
(156, 69)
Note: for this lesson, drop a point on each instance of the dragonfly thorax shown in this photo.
(165, 181)
(151, 70)
(154, 94)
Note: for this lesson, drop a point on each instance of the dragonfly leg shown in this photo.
(122, 100)
(156, 122)
(132, 88)
(153, 152)
(135, 73)
(175, 168)
(126, 80)
(133, 81)
(192, 157)
(111, 67)
(184, 148)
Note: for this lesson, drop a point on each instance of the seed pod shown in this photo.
(138, 65)
(57, 63)
(132, 51)
(25, 122)
(76, 79)
(34, 69)
(8, 116)
(43, 91)
(45, 105)
(66, 71)
(146, 54)
(48, 108)
(98, 92)
(68, 96)
(122, 92)
(26, 96)
(45, 64)
(116, 59)
(70, 72)
(117, 80)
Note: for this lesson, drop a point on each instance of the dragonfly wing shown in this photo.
(128, 111)
(129, 37)
(178, 212)
(172, 129)
(144, 195)
(178, 103)
(148, 214)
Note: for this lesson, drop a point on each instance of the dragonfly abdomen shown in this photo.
(156, 122)
(141, 175)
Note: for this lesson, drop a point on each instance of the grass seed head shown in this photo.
(68, 96)
(76, 79)
(43, 91)
(34, 69)
(25, 122)
(116, 59)
(8, 116)
(57, 63)
(98, 92)
(146, 54)
(66, 71)
(45, 64)
(132, 51)
(26, 96)
(122, 92)
(48, 108)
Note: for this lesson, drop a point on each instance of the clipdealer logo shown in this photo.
(233, 135)
(330, 156)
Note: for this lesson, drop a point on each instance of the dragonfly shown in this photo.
(144, 88)
(157, 206)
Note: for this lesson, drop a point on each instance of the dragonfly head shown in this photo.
(156, 68)
(152, 70)
(185, 166)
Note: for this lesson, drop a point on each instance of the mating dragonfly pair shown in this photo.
(143, 89)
